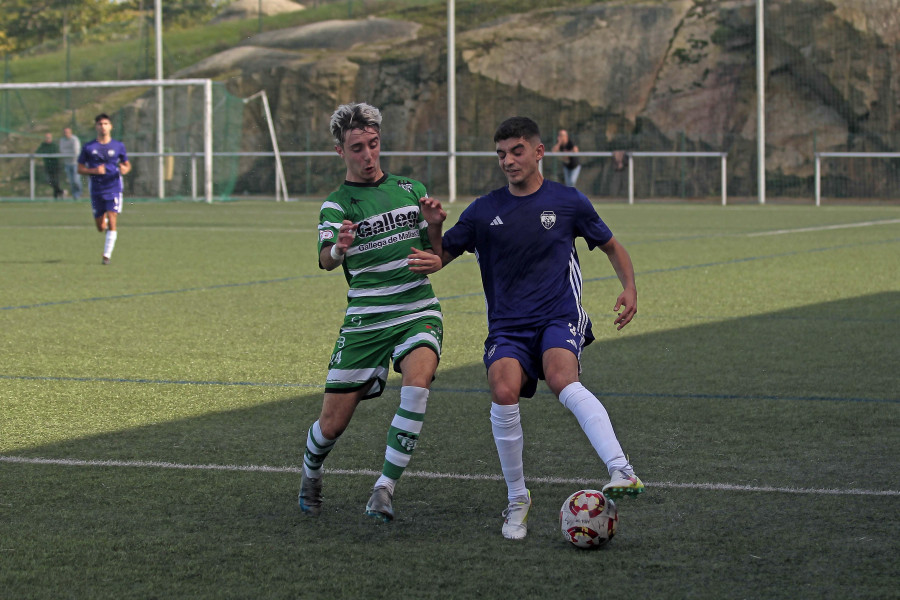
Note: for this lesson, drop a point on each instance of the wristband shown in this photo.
(338, 256)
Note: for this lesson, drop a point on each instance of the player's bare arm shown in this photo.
(434, 215)
(125, 167)
(332, 256)
(627, 300)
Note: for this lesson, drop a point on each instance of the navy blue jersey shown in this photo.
(93, 154)
(525, 246)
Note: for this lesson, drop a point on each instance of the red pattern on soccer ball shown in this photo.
(588, 519)
(589, 501)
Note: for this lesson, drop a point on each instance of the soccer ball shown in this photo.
(588, 519)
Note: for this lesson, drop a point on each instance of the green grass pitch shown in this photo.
(153, 414)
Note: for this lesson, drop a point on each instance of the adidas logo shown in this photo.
(497, 221)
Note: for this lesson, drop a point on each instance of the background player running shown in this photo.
(105, 161)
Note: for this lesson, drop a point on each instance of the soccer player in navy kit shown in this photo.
(523, 236)
(105, 161)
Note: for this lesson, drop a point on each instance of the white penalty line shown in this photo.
(71, 462)
(824, 227)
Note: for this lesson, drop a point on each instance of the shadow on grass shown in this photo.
(794, 398)
(708, 402)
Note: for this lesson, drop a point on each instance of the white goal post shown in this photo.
(280, 183)
(821, 155)
(155, 83)
(723, 156)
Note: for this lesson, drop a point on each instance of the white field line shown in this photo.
(825, 227)
(430, 475)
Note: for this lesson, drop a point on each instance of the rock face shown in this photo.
(675, 75)
(244, 9)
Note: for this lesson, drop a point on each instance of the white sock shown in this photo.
(110, 242)
(386, 482)
(506, 424)
(594, 420)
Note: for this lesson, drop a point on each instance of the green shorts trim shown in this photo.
(361, 359)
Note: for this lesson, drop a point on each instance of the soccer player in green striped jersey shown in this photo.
(376, 227)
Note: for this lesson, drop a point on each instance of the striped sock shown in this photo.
(317, 448)
(403, 435)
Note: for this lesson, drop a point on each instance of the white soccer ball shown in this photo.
(588, 519)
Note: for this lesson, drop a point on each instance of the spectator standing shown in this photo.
(70, 147)
(51, 163)
(571, 168)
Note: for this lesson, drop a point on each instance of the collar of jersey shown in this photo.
(364, 184)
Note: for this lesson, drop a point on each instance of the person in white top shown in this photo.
(70, 146)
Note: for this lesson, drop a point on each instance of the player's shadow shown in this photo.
(51, 261)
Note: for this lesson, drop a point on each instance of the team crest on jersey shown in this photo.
(548, 219)
(406, 185)
(325, 234)
(111, 152)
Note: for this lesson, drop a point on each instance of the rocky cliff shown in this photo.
(674, 75)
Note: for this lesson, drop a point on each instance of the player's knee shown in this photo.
(557, 382)
(504, 394)
(331, 429)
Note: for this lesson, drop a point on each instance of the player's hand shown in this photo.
(101, 169)
(346, 235)
(627, 301)
(432, 211)
(423, 262)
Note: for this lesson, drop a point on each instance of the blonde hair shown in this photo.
(356, 115)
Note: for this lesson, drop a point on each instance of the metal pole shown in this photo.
(160, 143)
(451, 99)
(818, 180)
(760, 103)
(31, 176)
(208, 141)
(280, 184)
(193, 176)
(724, 180)
(631, 179)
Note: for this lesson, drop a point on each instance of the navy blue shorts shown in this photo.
(101, 206)
(529, 344)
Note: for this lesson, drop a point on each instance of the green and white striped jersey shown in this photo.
(383, 291)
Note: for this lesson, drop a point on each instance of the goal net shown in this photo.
(192, 154)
